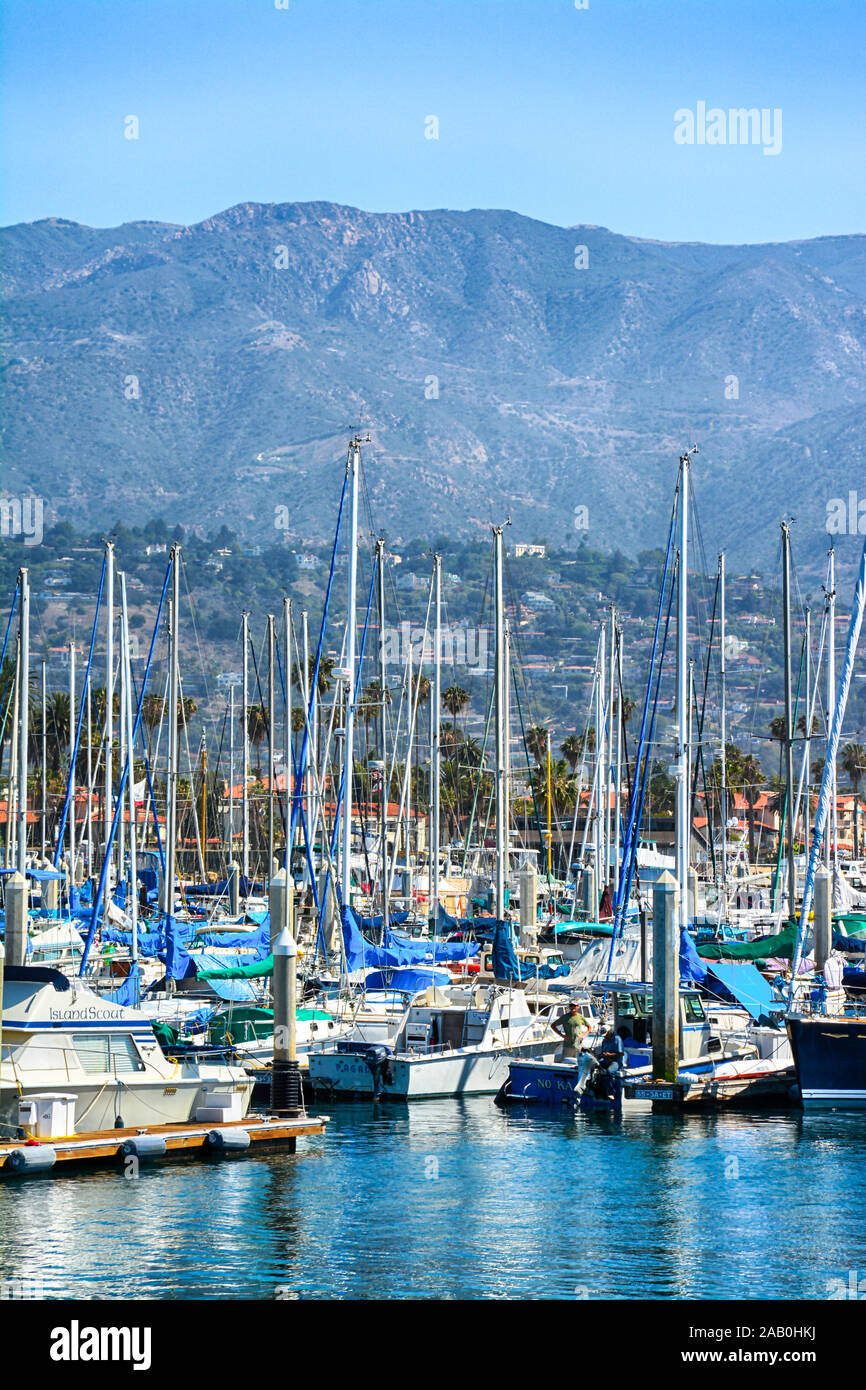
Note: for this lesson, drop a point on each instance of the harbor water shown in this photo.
(457, 1199)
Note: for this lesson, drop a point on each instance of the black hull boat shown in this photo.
(830, 1057)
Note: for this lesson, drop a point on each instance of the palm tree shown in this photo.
(152, 707)
(628, 708)
(853, 762)
(536, 742)
(186, 708)
(257, 732)
(571, 749)
(421, 683)
(455, 699)
(326, 670)
(752, 777)
(370, 706)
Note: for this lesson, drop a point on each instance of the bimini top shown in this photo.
(35, 997)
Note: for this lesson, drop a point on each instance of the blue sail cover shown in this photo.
(407, 979)
(506, 966)
(744, 981)
(257, 943)
(395, 918)
(128, 994)
(692, 968)
(362, 955)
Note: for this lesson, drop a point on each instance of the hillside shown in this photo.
(214, 372)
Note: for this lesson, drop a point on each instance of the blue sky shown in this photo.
(561, 113)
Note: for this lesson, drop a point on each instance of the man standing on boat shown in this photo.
(571, 1027)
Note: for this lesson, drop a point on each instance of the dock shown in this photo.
(777, 1091)
(20, 1158)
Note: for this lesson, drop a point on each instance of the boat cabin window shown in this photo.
(107, 1053)
(634, 1012)
(693, 1009)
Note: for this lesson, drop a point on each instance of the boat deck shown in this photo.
(181, 1140)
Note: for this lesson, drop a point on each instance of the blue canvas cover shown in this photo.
(361, 954)
(692, 968)
(240, 991)
(748, 986)
(408, 979)
(129, 993)
(506, 966)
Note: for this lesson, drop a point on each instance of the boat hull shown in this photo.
(830, 1058)
(462, 1072)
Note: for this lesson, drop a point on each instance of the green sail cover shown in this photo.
(760, 949)
(240, 972)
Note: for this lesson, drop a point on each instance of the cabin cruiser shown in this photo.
(59, 1038)
(452, 1041)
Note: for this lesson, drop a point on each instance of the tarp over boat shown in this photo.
(762, 948)
(362, 954)
(507, 966)
(745, 982)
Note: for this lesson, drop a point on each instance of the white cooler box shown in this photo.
(49, 1115)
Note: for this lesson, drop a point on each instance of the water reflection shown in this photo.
(460, 1199)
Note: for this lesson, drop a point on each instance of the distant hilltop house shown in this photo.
(156, 548)
(524, 548)
(225, 679)
(537, 601)
(411, 581)
(307, 562)
(757, 620)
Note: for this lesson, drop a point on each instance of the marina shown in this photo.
(432, 682)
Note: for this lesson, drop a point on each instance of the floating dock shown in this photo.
(21, 1157)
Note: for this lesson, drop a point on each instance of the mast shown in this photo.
(683, 760)
(109, 695)
(603, 783)
(608, 779)
(290, 781)
(307, 787)
(23, 713)
(380, 560)
(88, 809)
(12, 780)
(271, 711)
(619, 741)
(500, 678)
(549, 814)
(245, 765)
(126, 715)
(173, 692)
(42, 818)
(437, 748)
(807, 746)
(353, 466)
(72, 789)
(789, 716)
(410, 740)
(204, 806)
(831, 834)
(723, 757)
(506, 744)
(596, 781)
(231, 834)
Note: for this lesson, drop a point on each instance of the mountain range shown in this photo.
(500, 365)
